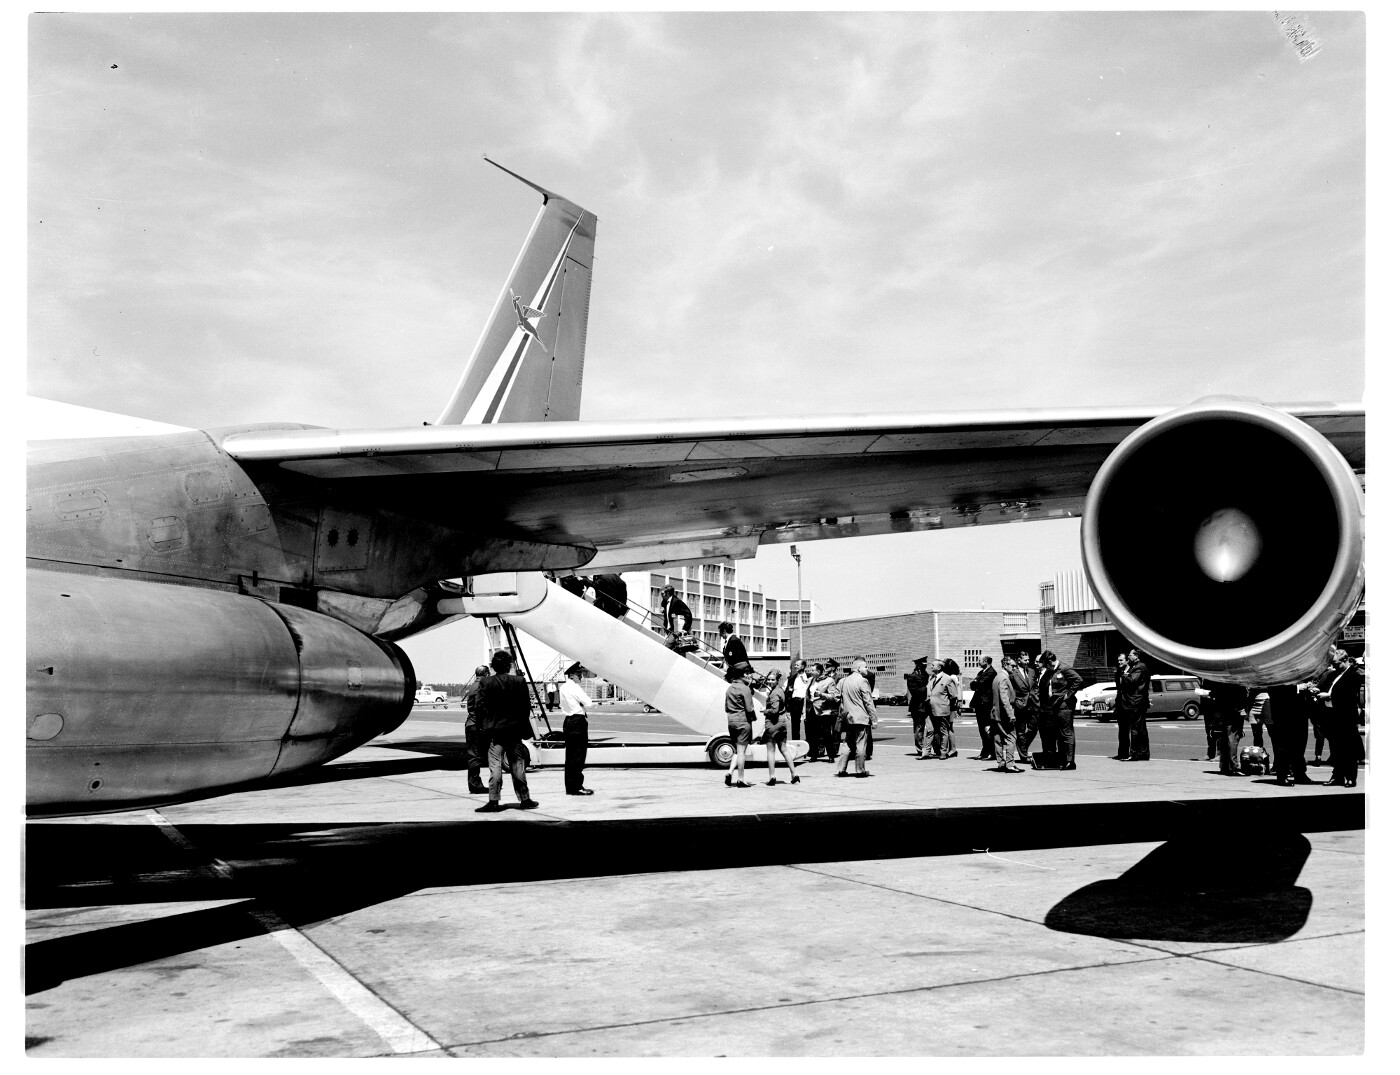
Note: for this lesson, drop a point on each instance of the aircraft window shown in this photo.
(352, 538)
(333, 538)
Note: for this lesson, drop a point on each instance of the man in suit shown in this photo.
(610, 595)
(1023, 687)
(1141, 679)
(982, 705)
(503, 715)
(1003, 718)
(1130, 707)
(675, 616)
(857, 718)
(1290, 733)
(1058, 690)
(1344, 696)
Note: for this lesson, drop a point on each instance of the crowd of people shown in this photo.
(1331, 702)
(1014, 701)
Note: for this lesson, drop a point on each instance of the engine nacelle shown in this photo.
(145, 692)
(1227, 538)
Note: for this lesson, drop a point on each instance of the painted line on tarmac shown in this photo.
(396, 1031)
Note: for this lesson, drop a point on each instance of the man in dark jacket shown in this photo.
(1058, 688)
(675, 616)
(982, 686)
(503, 715)
(1290, 733)
(1134, 697)
(916, 682)
(1344, 694)
(610, 595)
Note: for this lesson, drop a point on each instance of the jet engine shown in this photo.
(1227, 538)
(147, 692)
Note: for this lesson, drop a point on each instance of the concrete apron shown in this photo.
(380, 916)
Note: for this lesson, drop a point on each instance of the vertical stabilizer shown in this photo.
(528, 364)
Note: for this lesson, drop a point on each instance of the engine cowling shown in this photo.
(1227, 538)
(145, 692)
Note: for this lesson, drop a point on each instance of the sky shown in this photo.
(263, 217)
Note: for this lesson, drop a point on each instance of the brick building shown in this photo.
(890, 643)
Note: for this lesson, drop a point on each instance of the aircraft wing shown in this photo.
(642, 492)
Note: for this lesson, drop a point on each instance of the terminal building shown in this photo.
(890, 643)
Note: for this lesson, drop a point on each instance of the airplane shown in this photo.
(207, 609)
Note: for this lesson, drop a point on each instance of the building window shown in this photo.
(711, 572)
(971, 658)
(1015, 621)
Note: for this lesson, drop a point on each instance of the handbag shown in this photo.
(685, 643)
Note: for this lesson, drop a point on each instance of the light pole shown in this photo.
(798, 558)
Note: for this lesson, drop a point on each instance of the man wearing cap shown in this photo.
(739, 714)
(573, 702)
(919, 710)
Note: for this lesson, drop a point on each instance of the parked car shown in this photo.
(1172, 697)
(1086, 698)
(430, 696)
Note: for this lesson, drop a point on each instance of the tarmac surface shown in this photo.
(935, 909)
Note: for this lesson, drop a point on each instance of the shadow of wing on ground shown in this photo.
(310, 872)
(1198, 888)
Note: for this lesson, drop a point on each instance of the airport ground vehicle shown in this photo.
(1173, 697)
(428, 695)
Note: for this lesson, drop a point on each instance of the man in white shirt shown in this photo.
(573, 703)
(798, 683)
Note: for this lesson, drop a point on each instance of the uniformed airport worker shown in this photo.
(573, 702)
(503, 715)
(739, 714)
(477, 745)
(917, 684)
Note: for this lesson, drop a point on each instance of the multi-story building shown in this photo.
(714, 594)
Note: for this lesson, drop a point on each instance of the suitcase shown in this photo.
(1047, 759)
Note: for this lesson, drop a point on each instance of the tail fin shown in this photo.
(528, 364)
